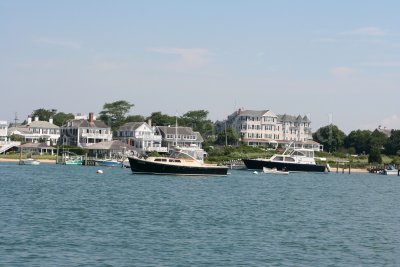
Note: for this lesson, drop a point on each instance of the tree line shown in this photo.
(361, 142)
(115, 114)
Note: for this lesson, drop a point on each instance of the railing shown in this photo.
(157, 149)
(4, 145)
(99, 136)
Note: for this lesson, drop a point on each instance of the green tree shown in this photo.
(60, 118)
(197, 120)
(230, 138)
(330, 136)
(375, 155)
(159, 119)
(392, 146)
(114, 113)
(44, 114)
(378, 139)
(359, 140)
(135, 118)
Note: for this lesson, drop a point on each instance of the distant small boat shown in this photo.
(29, 161)
(109, 163)
(274, 171)
(77, 161)
(390, 170)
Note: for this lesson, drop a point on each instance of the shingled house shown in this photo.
(179, 136)
(36, 131)
(142, 136)
(84, 132)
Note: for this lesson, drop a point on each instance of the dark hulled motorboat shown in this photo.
(179, 163)
(292, 160)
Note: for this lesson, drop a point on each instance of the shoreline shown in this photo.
(48, 161)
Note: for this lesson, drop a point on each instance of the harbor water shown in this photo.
(55, 215)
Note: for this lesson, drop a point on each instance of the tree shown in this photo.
(230, 138)
(375, 155)
(330, 136)
(44, 114)
(359, 140)
(392, 146)
(60, 118)
(135, 118)
(157, 118)
(378, 139)
(197, 120)
(114, 113)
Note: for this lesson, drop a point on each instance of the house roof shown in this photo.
(199, 137)
(111, 145)
(42, 124)
(253, 113)
(291, 118)
(22, 130)
(173, 130)
(129, 126)
(80, 123)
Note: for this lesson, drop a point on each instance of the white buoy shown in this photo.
(99, 171)
(255, 172)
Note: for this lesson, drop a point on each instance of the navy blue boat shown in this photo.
(295, 160)
(179, 163)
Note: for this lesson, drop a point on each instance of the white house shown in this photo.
(84, 132)
(3, 131)
(35, 131)
(179, 136)
(141, 136)
(260, 127)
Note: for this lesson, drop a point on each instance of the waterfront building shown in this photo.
(264, 127)
(3, 131)
(114, 149)
(36, 131)
(142, 136)
(84, 131)
(179, 136)
(37, 148)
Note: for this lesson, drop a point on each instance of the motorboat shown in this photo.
(274, 171)
(29, 161)
(182, 161)
(292, 160)
(74, 161)
(108, 163)
(390, 170)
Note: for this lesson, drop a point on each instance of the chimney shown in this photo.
(51, 120)
(91, 117)
(36, 118)
(149, 122)
(239, 111)
(29, 119)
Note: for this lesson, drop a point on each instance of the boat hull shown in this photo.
(256, 164)
(141, 166)
(108, 163)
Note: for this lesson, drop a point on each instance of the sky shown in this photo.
(334, 61)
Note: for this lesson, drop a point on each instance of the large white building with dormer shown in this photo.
(260, 127)
(36, 131)
(84, 131)
(142, 136)
(3, 131)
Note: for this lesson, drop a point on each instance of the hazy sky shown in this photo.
(336, 61)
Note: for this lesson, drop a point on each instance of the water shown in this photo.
(52, 215)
